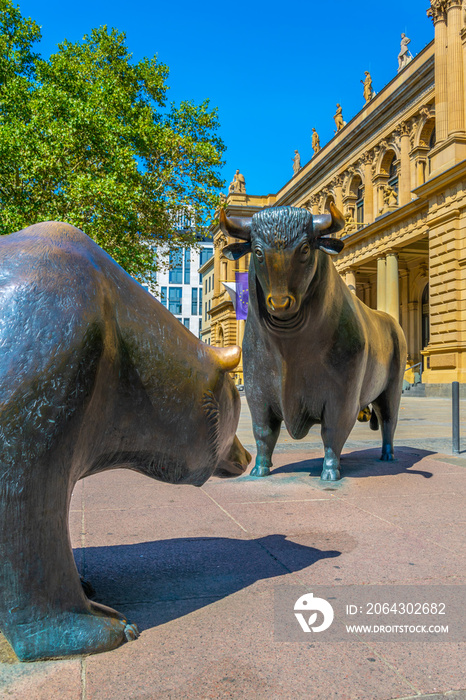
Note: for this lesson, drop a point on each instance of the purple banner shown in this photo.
(242, 295)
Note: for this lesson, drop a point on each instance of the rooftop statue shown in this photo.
(315, 141)
(296, 163)
(313, 352)
(95, 374)
(238, 184)
(338, 117)
(404, 57)
(367, 82)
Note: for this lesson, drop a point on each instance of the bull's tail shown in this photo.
(368, 414)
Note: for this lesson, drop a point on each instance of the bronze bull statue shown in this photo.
(95, 374)
(312, 351)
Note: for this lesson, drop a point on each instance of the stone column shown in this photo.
(463, 39)
(455, 68)
(392, 298)
(441, 105)
(350, 279)
(404, 189)
(368, 190)
(381, 284)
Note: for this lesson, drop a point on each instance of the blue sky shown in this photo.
(274, 69)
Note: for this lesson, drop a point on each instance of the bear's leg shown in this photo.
(43, 610)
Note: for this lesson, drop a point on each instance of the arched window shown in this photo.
(432, 142)
(393, 176)
(360, 205)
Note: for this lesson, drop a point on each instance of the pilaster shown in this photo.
(368, 189)
(404, 185)
(438, 14)
(455, 68)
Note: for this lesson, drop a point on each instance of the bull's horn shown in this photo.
(235, 226)
(329, 223)
(228, 358)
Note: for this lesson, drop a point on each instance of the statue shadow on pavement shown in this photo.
(364, 463)
(156, 582)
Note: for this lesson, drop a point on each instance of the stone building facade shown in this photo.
(397, 171)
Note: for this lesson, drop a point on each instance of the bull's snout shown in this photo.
(281, 304)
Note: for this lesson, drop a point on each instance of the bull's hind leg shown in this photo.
(43, 610)
(386, 407)
(266, 429)
(337, 424)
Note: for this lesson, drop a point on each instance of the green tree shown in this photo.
(87, 137)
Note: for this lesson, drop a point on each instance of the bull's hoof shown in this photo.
(330, 475)
(260, 471)
(387, 454)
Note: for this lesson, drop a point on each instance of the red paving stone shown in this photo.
(196, 569)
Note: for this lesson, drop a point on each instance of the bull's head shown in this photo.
(284, 242)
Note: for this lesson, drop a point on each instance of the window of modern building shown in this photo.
(174, 299)
(187, 265)
(176, 266)
(206, 254)
(186, 322)
(200, 301)
(163, 295)
(194, 301)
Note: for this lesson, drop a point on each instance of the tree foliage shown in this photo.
(87, 137)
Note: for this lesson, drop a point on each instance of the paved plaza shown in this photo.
(197, 569)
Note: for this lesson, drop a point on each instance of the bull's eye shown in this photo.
(259, 254)
(305, 251)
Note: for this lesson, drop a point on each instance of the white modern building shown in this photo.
(179, 287)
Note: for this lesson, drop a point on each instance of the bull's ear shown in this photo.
(333, 246)
(235, 251)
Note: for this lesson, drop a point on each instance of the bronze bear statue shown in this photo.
(95, 374)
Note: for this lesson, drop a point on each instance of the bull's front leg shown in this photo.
(266, 430)
(336, 427)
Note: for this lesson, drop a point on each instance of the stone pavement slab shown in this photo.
(197, 570)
